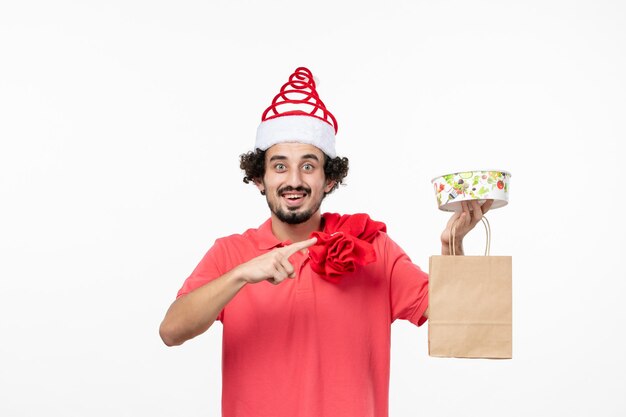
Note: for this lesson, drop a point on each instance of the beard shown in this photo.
(292, 215)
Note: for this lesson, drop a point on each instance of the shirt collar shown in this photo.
(265, 238)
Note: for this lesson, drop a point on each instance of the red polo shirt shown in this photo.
(309, 347)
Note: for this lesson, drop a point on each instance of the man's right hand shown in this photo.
(273, 266)
(192, 314)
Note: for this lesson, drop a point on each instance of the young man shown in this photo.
(307, 299)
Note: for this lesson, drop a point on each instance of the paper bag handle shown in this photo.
(485, 221)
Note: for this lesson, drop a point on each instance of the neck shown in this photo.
(296, 232)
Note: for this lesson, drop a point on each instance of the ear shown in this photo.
(259, 184)
(329, 186)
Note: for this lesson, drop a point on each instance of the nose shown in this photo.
(295, 178)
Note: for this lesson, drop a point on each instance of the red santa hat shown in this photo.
(297, 114)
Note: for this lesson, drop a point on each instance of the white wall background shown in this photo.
(121, 123)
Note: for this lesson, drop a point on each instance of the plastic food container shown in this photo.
(451, 189)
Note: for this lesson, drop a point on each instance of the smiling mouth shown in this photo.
(293, 196)
(293, 200)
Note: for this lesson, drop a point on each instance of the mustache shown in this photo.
(288, 188)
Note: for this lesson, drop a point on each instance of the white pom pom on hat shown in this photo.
(297, 114)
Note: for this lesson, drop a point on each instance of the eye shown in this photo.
(308, 167)
(280, 167)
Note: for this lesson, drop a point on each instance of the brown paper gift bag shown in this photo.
(470, 301)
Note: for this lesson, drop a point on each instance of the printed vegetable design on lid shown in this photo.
(451, 189)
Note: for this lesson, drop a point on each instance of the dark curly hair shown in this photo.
(253, 164)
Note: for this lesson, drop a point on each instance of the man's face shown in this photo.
(294, 181)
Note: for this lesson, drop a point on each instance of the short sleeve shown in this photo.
(408, 286)
(207, 270)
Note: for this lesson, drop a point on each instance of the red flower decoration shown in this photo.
(344, 244)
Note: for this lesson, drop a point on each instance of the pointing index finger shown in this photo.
(295, 247)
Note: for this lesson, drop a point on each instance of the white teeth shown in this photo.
(292, 196)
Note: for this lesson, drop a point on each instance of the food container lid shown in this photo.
(481, 185)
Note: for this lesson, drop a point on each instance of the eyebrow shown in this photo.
(277, 158)
(282, 157)
(310, 156)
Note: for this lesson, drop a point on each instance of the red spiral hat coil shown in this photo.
(298, 96)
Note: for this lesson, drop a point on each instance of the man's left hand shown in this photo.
(463, 221)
